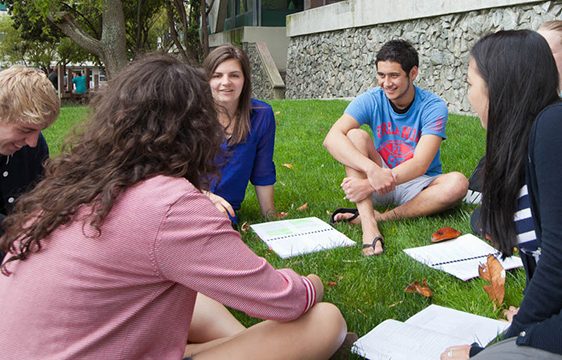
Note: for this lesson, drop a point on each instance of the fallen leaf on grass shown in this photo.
(303, 207)
(245, 227)
(288, 166)
(493, 272)
(277, 112)
(332, 283)
(422, 289)
(445, 233)
(281, 215)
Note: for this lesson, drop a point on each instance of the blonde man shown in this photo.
(552, 32)
(28, 104)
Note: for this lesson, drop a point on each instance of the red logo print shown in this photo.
(395, 152)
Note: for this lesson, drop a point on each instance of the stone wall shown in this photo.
(342, 63)
(266, 80)
(261, 86)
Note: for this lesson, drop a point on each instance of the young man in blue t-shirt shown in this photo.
(402, 166)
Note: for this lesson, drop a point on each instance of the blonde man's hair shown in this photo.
(27, 97)
(552, 25)
(555, 25)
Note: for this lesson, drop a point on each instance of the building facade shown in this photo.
(332, 48)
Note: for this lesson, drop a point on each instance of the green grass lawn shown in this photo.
(367, 290)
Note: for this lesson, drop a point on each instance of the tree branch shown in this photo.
(86, 20)
(65, 22)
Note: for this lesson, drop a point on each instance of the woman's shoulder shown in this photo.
(260, 108)
(258, 104)
(552, 109)
(261, 114)
(161, 190)
(550, 118)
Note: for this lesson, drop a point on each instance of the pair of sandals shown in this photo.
(354, 214)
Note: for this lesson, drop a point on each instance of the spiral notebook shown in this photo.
(425, 335)
(460, 257)
(294, 237)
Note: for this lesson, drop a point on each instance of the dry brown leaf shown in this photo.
(288, 166)
(494, 273)
(245, 227)
(445, 233)
(422, 289)
(332, 283)
(303, 207)
(281, 215)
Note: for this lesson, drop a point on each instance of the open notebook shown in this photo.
(300, 236)
(425, 335)
(460, 257)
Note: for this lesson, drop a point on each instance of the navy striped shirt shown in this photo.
(525, 226)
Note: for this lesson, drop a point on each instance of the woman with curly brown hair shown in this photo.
(106, 256)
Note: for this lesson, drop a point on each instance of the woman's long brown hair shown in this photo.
(241, 119)
(156, 117)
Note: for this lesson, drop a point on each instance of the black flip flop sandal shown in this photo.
(374, 243)
(352, 211)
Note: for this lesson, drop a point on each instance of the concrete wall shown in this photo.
(359, 13)
(332, 48)
(275, 38)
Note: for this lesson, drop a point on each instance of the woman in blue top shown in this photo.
(249, 127)
(513, 87)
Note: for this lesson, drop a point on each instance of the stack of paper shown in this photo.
(300, 236)
(460, 257)
(427, 334)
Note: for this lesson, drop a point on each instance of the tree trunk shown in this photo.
(204, 29)
(112, 47)
(114, 43)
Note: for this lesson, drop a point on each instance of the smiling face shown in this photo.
(396, 83)
(477, 93)
(14, 136)
(227, 82)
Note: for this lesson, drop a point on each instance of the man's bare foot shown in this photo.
(375, 247)
(344, 217)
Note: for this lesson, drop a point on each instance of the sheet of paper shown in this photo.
(426, 334)
(469, 327)
(446, 256)
(300, 236)
(396, 340)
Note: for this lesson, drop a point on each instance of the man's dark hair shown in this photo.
(400, 51)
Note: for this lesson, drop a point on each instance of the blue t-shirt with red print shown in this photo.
(396, 135)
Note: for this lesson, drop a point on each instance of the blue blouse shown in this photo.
(251, 160)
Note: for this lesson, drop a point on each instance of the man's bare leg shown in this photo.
(443, 193)
(362, 141)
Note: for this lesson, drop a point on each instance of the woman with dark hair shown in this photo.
(513, 87)
(249, 125)
(106, 256)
